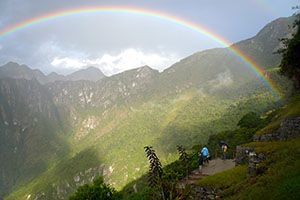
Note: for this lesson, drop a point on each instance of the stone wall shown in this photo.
(289, 129)
(267, 137)
(242, 154)
(254, 160)
(247, 155)
(199, 193)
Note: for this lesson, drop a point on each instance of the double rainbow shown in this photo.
(250, 63)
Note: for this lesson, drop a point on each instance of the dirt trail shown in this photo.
(213, 167)
(217, 165)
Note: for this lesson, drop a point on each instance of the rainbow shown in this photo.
(77, 11)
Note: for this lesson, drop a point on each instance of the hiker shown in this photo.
(205, 154)
(200, 162)
(224, 150)
(160, 194)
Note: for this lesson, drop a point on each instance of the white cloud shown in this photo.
(132, 58)
(1, 47)
(68, 63)
(112, 64)
(223, 79)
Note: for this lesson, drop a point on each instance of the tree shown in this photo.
(155, 170)
(250, 120)
(163, 186)
(98, 191)
(290, 63)
(185, 160)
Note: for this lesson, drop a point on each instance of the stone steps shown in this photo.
(192, 179)
(196, 176)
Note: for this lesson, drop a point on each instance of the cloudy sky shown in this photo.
(115, 42)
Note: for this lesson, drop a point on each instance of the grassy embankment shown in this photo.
(277, 178)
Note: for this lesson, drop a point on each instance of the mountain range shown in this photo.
(59, 132)
(16, 71)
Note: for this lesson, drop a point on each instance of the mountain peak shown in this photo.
(92, 68)
(145, 68)
(16, 71)
(14, 65)
(90, 73)
(276, 29)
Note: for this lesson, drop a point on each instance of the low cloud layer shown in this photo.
(223, 79)
(111, 64)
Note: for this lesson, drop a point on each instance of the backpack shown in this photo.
(199, 155)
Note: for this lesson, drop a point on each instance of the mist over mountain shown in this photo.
(59, 132)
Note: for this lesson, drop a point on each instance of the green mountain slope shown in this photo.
(106, 124)
(277, 177)
(31, 128)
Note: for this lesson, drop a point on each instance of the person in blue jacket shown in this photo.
(205, 154)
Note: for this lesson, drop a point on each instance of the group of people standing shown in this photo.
(204, 156)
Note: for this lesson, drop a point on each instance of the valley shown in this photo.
(60, 132)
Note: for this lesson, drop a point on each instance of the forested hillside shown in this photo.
(89, 128)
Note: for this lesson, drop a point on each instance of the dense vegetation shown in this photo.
(290, 63)
(204, 94)
(278, 175)
(183, 119)
(99, 190)
(249, 124)
(275, 176)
